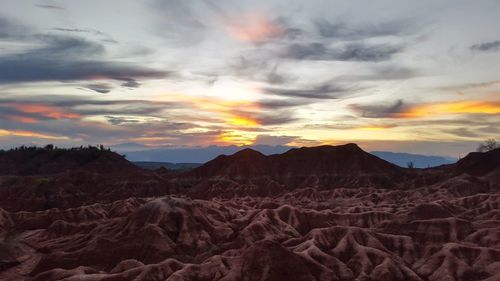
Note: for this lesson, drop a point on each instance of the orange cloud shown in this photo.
(375, 128)
(21, 133)
(252, 27)
(236, 113)
(461, 107)
(41, 110)
(22, 119)
(240, 116)
(236, 137)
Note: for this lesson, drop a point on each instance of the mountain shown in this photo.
(419, 161)
(190, 154)
(478, 163)
(128, 146)
(140, 153)
(322, 166)
(346, 159)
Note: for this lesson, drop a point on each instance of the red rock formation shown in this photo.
(259, 228)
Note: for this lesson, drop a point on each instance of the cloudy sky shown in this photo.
(416, 76)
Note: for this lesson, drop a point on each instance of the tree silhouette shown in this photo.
(488, 145)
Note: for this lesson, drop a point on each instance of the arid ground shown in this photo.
(319, 213)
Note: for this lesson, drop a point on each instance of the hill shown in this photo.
(51, 160)
(322, 166)
(34, 178)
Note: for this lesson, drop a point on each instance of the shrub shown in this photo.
(488, 145)
(10, 181)
(42, 181)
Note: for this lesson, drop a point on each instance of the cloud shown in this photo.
(102, 88)
(11, 29)
(119, 120)
(259, 66)
(470, 86)
(274, 104)
(131, 83)
(273, 140)
(492, 46)
(51, 7)
(379, 111)
(276, 118)
(68, 58)
(349, 52)
(42, 108)
(180, 21)
(401, 110)
(457, 107)
(463, 132)
(33, 112)
(254, 27)
(344, 31)
(30, 134)
(322, 91)
(385, 72)
(103, 36)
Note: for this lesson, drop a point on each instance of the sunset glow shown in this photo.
(252, 27)
(464, 107)
(190, 73)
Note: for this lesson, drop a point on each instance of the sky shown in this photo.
(413, 76)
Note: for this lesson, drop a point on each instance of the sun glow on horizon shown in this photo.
(461, 107)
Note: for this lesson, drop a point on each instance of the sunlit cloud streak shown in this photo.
(402, 110)
(21, 133)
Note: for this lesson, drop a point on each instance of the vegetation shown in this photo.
(488, 145)
(83, 152)
(42, 181)
(33, 159)
(10, 180)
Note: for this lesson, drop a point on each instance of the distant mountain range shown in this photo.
(418, 160)
(137, 152)
(190, 157)
(168, 165)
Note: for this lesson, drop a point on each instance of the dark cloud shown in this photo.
(462, 132)
(386, 72)
(51, 7)
(277, 78)
(470, 86)
(379, 111)
(131, 83)
(322, 91)
(273, 104)
(274, 140)
(349, 52)
(102, 88)
(276, 118)
(102, 35)
(119, 120)
(54, 107)
(492, 46)
(344, 31)
(11, 29)
(259, 66)
(68, 58)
